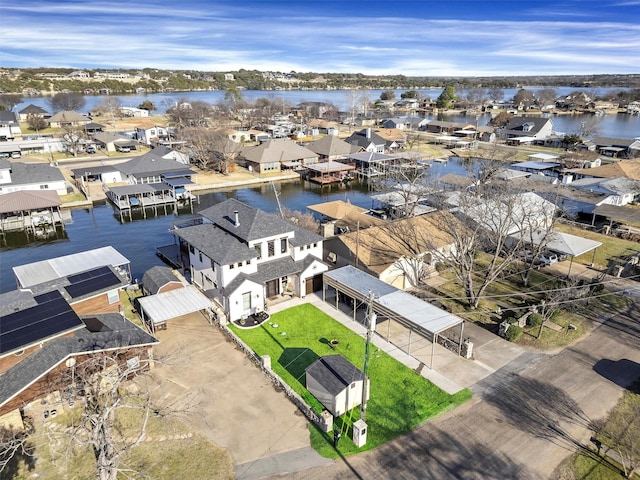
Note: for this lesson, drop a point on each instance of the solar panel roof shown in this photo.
(91, 281)
(51, 317)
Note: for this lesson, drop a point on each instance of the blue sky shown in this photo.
(415, 38)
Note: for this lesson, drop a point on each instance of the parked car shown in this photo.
(124, 149)
(547, 258)
(90, 149)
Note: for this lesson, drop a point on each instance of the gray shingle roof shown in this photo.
(515, 125)
(157, 277)
(334, 373)
(34, 110)
(28, 173)
(360, 138)
(254, 224)
(150, 163)
(116, 333)
(217, 244)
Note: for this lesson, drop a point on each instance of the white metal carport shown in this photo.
(157, 309)
(570, 245)
(409, 311)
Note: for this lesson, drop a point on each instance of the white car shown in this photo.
(548, 259)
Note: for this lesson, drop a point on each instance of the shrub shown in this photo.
(535, 320)
(513, 333)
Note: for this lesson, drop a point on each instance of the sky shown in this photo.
(373, 37)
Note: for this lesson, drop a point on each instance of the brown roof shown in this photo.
(379, 247)
(392, 134)
(28, 200)
(346, 214)
(624, 168)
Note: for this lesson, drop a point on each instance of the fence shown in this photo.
(280, 385)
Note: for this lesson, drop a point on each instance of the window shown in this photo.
(113, 297)
(232, 266)
(271, 247)
(258, 248)
(44, 187)
(239, 264)
(191, 249)
(283, 245)
(353, 385)
(200, 256)
(246, 301)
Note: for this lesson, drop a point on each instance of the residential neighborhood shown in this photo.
(337, 265)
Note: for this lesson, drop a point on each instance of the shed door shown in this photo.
(313, 284)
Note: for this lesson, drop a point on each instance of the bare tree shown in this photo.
(73, 136)
(496, 94)
(200, 141)
(36, 122)
(110, 107)
(303, 220)
(105, 381)
(546, 97)
(67, 101)
(14, 444)
(9, 101)
(187, 113)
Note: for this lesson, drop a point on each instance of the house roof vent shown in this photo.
(237, 219)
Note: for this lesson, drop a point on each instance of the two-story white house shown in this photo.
(241, 257)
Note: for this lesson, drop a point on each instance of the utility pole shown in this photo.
(371, 326)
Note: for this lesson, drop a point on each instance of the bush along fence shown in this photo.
(265, 365)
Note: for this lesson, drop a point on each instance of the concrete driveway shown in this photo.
(229, 400)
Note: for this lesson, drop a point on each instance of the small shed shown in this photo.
(159, 279)
(336, 383)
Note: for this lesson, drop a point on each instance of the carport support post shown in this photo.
(433, 346)
(409, 349)
(461, 335)
(388, 329)
(354, 309)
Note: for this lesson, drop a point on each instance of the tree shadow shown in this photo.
(434, 453)
(538, 408)
(624, 373)
(296, 360)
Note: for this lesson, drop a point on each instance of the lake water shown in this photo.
(101, 226)
(618, 126)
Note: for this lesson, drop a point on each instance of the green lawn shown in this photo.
(400, 399)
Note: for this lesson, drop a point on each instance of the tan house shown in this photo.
(68, 119)
(276, 154)
(400, 253)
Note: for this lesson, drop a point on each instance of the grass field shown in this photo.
(400, 399)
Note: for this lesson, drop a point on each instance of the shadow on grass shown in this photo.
(296, 360)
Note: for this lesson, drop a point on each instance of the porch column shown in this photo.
(409, 349)
(461, 335)
(354, 309)
(433, 346)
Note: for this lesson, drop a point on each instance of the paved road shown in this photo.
(525, 419)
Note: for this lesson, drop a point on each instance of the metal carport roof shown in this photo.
(566, 243)
(392, 301)
(174, 303)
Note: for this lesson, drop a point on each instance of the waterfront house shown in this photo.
(619, 191)
(36, 212)
(331, 147)
(18, 176)
(526, 129)
(68, 119)
(368, 141)
(274, 154)
(242, 256)
(336, 383)
(155, 166)
(33, 110)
